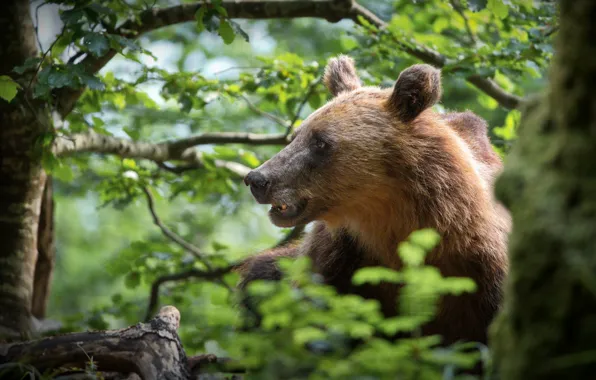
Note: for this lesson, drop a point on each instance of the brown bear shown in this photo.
(373, 165)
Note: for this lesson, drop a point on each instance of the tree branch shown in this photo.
(269, 116)
(171, 234)
(427, 55)
(170, 150)
(331, 10)
(457, 6)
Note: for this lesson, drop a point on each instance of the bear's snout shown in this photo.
(259, 186)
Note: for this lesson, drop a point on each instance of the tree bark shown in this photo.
(547, 327)
(21, 176)
(46, 253)
(151, 350)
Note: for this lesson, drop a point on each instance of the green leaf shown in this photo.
(132, 280)
(217, 246)
(226, 32)
(96, 43)
(307, 334)
(8, 88)
(426, 238)
(92, 82)
(63, 172)
(250, 159)
(498, 7)
(458, 285)
(221, 10)
(132, 133)
(30, 63)
(411, 254)
(239, 30)
(225, 152)
(72, 16)
(440, 25)
(199, 16)
(59, 77)
(119, 43)
(401, 324)
(376, 275)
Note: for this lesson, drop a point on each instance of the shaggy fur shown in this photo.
(393, 166)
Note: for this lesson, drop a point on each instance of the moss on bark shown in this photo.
(547, 327)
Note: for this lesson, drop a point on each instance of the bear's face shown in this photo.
(338, 156)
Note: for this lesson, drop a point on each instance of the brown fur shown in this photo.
(417, 88)
(340, 75)
(397, 166)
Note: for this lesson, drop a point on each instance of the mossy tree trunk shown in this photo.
(547, 329)
(21, 176)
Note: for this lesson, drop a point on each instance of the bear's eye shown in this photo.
(320, 144)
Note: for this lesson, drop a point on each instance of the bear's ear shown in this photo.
(340, 75)
(417, 88)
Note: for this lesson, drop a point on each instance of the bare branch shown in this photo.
(162, 151)
(169, 150)
(491, 88)
(226, 138)
(193, 273)
(184, 244)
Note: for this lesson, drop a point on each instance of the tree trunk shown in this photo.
(46, 253)
(21, 176)
(547, 328)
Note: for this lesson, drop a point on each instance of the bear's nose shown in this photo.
(259, 185)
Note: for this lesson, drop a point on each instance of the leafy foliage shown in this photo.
(209, 76)
(8, 88)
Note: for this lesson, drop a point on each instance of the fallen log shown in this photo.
(150, 351)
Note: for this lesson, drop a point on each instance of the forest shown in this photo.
(128, 129)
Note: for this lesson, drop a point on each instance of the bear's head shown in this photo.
(362, 152)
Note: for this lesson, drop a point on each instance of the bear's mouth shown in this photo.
(286, 214)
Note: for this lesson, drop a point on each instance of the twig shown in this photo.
(309, 92)
(193, 273)
(171, 234)
(459, 9)
(76, 56)
(43, 57)
(236, 68)
(180, 241)
(178, 169)
(269, 116)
